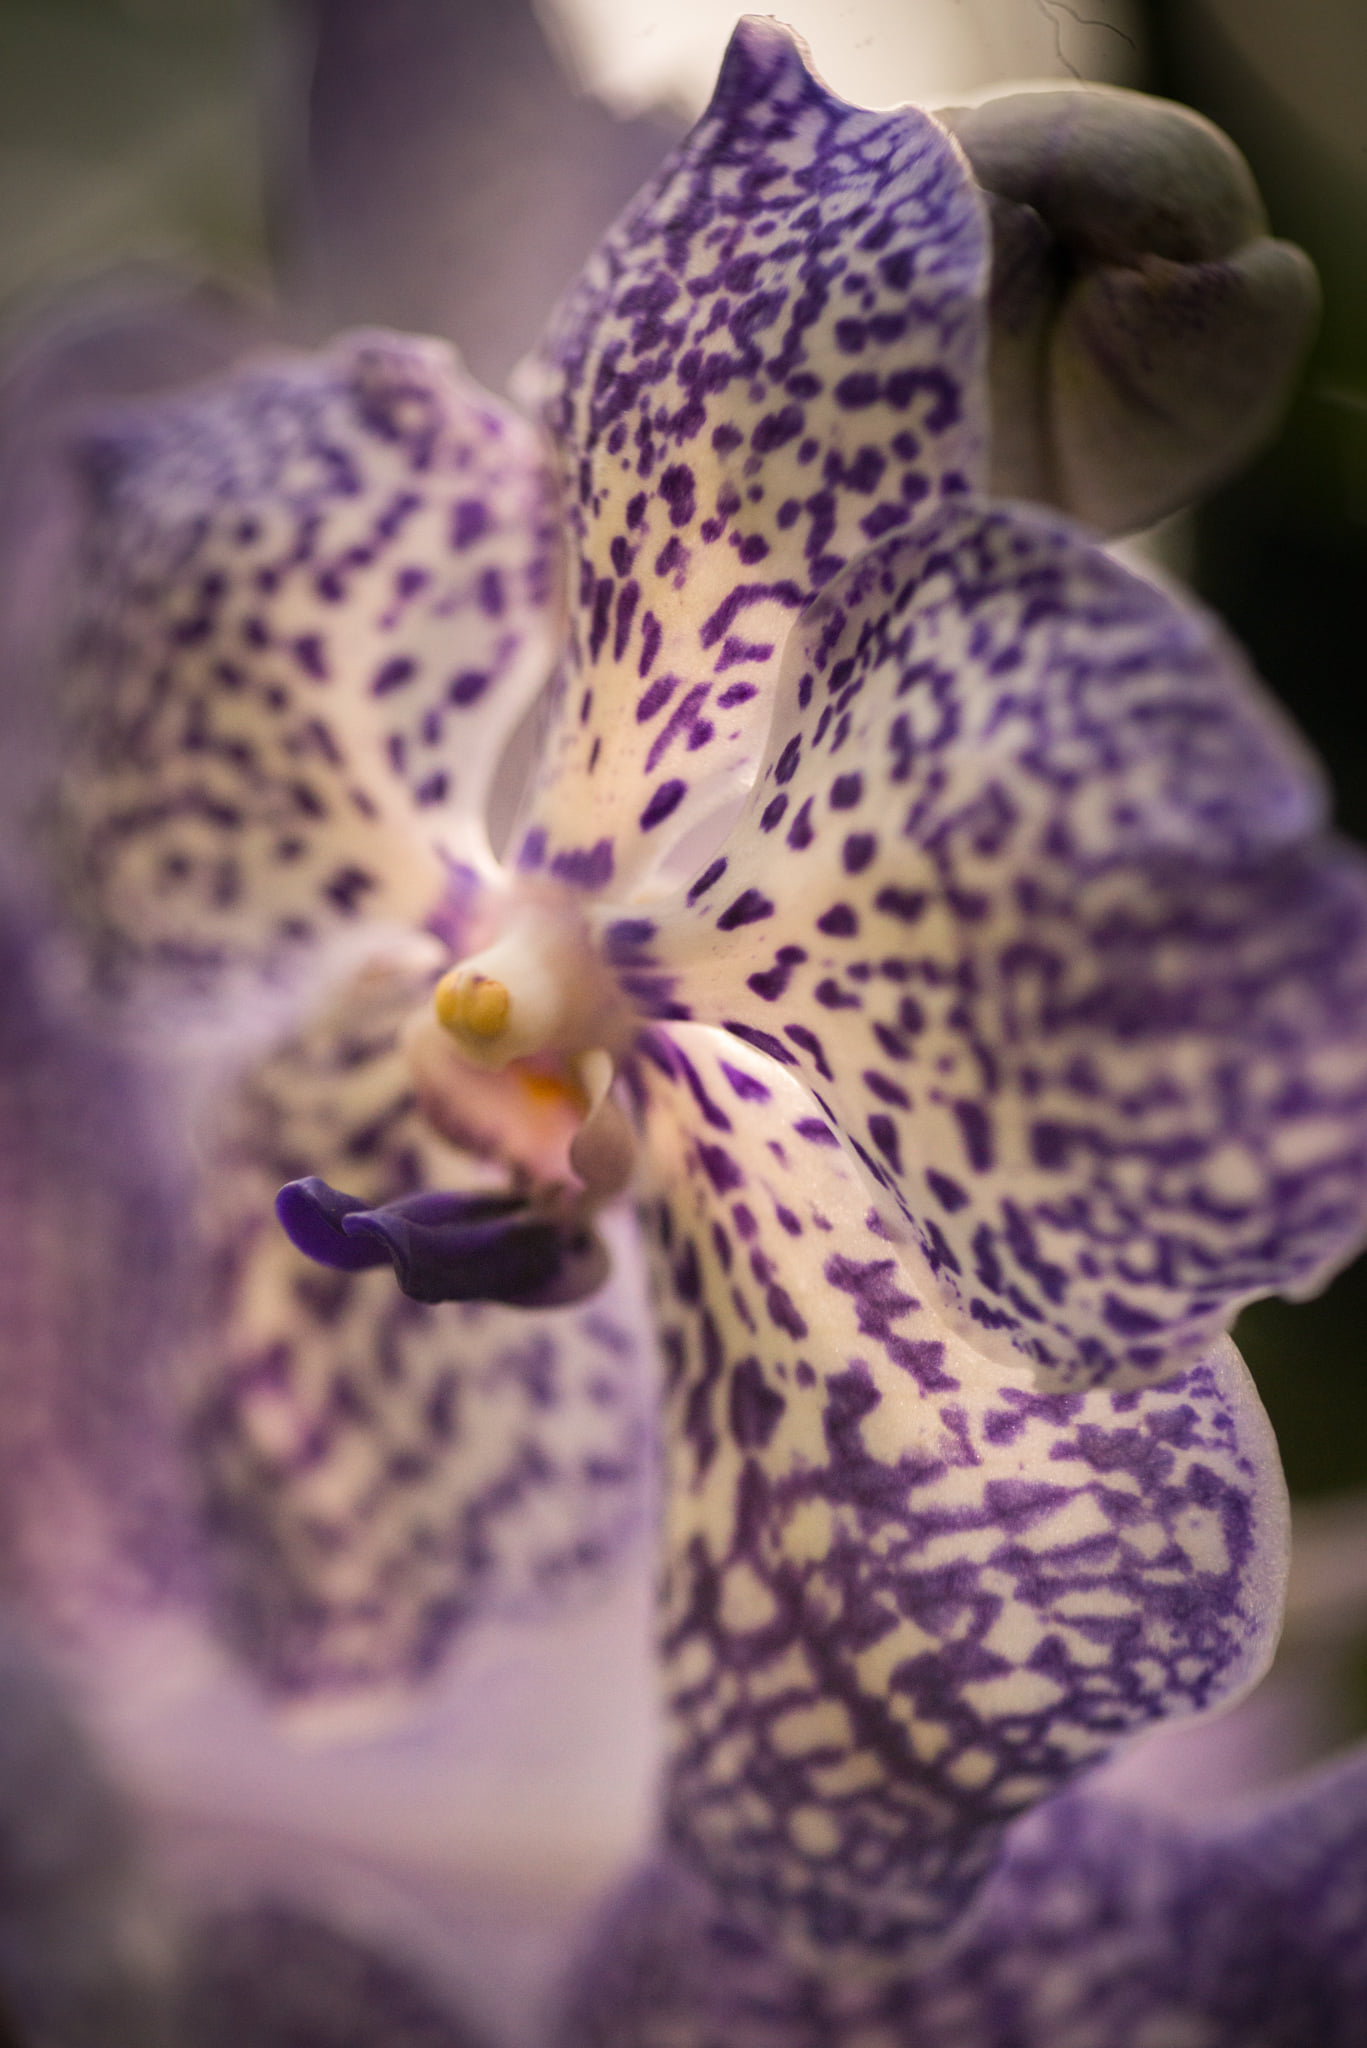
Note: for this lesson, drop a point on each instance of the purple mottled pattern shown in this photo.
(774, 358)
(311, 602)
(375, 1473)
(1102, 1926)
(907, 1592)
(1045, 915)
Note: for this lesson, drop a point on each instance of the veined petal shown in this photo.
(376, 1472)
(1032, 890)
(776, 357)
(314, 599)
(904, 1599)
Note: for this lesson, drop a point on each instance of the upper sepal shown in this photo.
(775, 357)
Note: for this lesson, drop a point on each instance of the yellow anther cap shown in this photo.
(472, 1004)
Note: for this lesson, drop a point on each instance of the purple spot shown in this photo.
(392, 675)
(906, 905)
(755, 1407)
(763, 1041)
(771, 982)
(677, 490)
(585, 867)
(975, 1128)
(663, 803)
(658, 695)
(776, 429)
(839, 922)
(815, 1132)
(858, 851)
(720, 1168)
(810, 1043)
(707, 878)
(747, 1086)
(651, 637)
(749, 907)
(469, 522)
(846, 791)
(467, 687)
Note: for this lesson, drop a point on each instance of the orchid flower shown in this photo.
(923, 918)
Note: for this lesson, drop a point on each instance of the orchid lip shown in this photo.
(444, 1246)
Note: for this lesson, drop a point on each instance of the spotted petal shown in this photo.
(1103, 1926)
(1033, 891)
(313, 601)
(776, 356)
(907, 1595)
(375, 1472)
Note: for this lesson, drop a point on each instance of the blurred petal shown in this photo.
(81, 1962)
(907, 1595)
(375, 1472)
(774, 358)
(315, 600)
(1146, 332)
(415, 135)
(275, 1977)
(1102, 1927)
(1032, 890)
(94, 1518)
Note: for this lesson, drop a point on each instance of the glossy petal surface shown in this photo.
(314, 600)
(907, 1594)
(1032, 890)
(774, 358)
(376, 1472)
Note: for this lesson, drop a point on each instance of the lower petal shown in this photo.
(907, 1595)
(375, 1472)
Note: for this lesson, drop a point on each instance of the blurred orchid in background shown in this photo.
(781, 993)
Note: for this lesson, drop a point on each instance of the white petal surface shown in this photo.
(314, 600)
(776, 356)
(1033, 890)
(907, 1594)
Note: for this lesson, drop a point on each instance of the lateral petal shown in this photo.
(313, 601)
(1033, 890)
(906, 1597)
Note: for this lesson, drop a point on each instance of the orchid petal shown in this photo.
(1145, 329)
(376, 1473)
(775, 358)
(276, 1977)
(905, 1597)
(1103, 1926)
(1032, 890)
(76, 1966)
(315, 600)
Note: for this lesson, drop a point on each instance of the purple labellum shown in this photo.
(448, 1247)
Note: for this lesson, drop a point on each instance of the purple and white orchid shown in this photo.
(927, 922)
